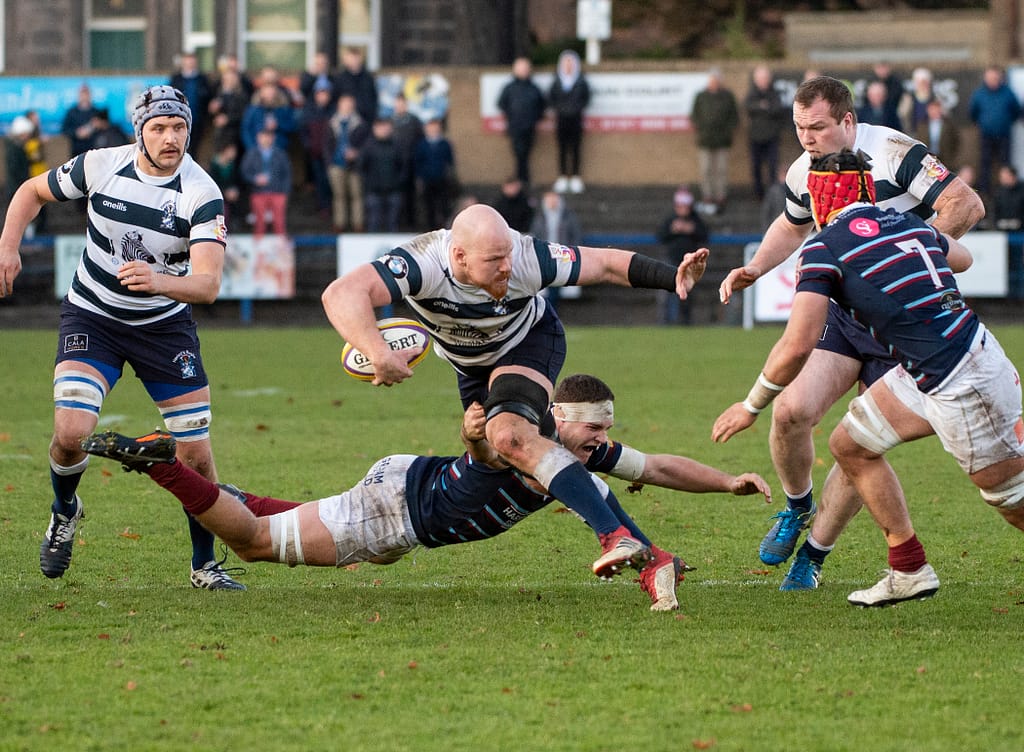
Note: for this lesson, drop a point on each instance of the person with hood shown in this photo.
(569, 96)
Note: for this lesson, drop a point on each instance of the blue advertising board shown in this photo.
(52, 96)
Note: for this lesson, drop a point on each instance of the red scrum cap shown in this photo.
(837, 180)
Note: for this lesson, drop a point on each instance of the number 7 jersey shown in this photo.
(888, 270)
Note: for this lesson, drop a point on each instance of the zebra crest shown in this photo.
(132, 248)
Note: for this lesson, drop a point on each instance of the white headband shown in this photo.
(587, 412)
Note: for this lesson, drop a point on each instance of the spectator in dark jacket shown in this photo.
(408, 131)
(224, 169)
(78, 125)
(267, 172)
(514, 204)
(194, 84)
(680, 233)
(522, 103)
(715, 117)
(383, 168)
(569, 96)
(434, 169)
(105, 133)
(877, 109)
(314, 130)
(227, 109)
(1008, 202)
(319, 75)
(767, 119)
(994, 108)
(357, 81)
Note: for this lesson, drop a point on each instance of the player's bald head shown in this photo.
(479, 226)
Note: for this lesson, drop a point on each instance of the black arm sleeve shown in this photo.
(651, 273)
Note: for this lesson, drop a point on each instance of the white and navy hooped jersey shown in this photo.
(470, 328)
(888, 270)
(133, 216)
(907, 177)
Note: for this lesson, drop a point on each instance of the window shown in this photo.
(200, 38)
(359, 24)
(115, 35)
(277, 33)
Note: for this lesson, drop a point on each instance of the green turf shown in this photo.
(507, 644)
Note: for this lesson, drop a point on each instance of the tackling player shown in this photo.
(406, 501)
(155, 245)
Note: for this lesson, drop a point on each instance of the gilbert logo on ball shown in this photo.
(400, 334)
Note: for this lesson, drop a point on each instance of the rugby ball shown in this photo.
(400, 334)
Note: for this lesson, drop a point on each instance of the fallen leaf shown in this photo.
(103, 636)
(996, 610)
(60, 606)
(413, 664)
(261, 427)
(356, 696)
(922, 670)
(759, 571)
(130, 686)
(106, 473)
(127, 533)
(703, 743)
(375, 618)
(351, 567)
(744, 708)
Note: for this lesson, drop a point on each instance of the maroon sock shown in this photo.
(264, 506)
(196, 493)
(907, 556)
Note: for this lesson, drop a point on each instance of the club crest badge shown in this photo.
(169, 215)
(186, 361)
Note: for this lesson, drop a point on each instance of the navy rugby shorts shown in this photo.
(164, 355)
(847, 337)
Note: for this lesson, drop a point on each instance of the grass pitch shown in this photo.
(506, 644)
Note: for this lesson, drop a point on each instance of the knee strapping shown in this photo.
(867, 426)
(76, 390)
(286, 538)
(1007, 495)
(514, 393)
(189, 422)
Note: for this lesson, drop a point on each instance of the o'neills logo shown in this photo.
(120, 206)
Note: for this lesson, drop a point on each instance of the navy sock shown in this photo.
(801, 503)
(814, 553)
(65, 486)
(574, 487)
(202, 542)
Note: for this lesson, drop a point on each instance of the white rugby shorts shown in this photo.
(976, 411)
(371, 519)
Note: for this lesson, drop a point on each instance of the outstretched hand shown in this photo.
(749, 484)
(690, 270)
(736, 418)
(738, 279)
